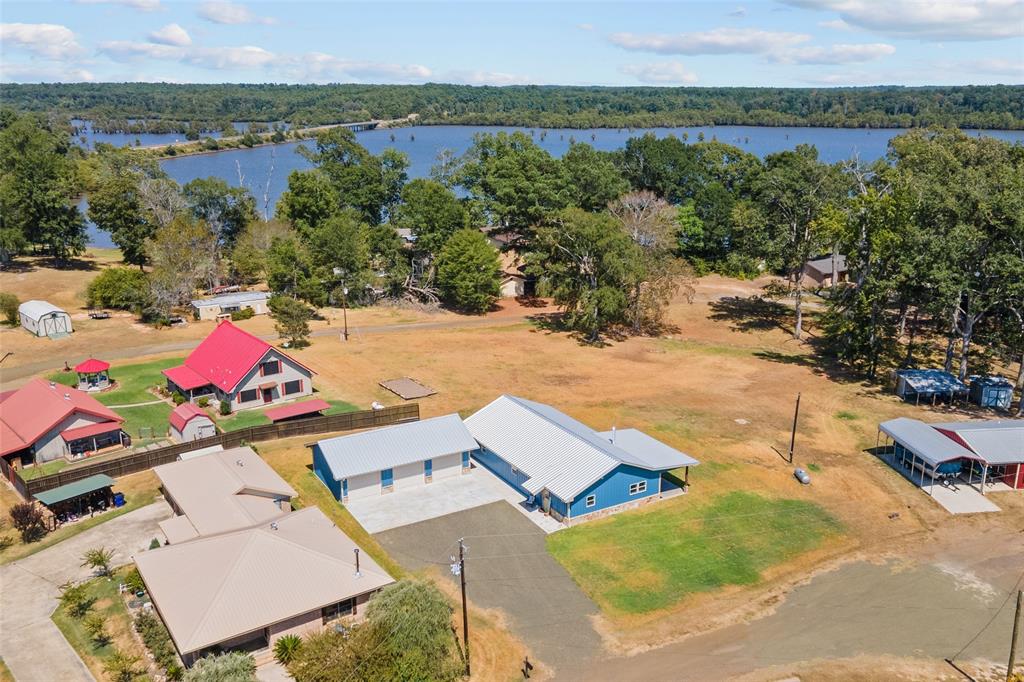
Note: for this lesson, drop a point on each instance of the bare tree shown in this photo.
(162, 199)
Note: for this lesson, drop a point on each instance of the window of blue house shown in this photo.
(591, 500)
(344, 489)
(428, 468)
(638, 487)
(387, 479)
(465, 460)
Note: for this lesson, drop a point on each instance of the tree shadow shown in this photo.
(26, 264)
(531, 301)
(751, 314)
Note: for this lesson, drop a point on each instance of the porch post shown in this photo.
(984, 475)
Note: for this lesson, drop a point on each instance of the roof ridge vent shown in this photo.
(53, 384)
(67, 396)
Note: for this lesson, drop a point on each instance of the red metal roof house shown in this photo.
(42, 421)
(233, 365)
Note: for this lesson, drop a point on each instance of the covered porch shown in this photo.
(91, 439)
(73, 500)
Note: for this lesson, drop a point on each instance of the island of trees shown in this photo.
(933, 234)
(163, 107)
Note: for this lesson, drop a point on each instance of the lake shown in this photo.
(265, 170)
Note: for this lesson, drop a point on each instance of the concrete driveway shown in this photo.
(440, 498)
(30, 644)
(507, 567)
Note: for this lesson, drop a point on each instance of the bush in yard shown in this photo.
(243, 314)
(27, 518)
(469, 272)
(75, 599)
(122, 667)
(98, 558)
(234, 666)
(225, 408)
(153, 544)
(119, 288)
(178, 398)
(96, 625)
(133, 580)
(286, 647)
(9, 308)
(156, 638)
(203, 402)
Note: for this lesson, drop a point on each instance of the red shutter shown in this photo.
(261, 368)
(300, 385)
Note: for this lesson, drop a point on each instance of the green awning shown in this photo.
(72, 490)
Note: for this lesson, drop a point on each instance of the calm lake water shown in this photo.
(265, 170)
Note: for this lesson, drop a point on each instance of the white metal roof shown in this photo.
(556, 451)
(995, 441)
(924, 441)
(211, 589)
(392, 446)
(656, 454)
(36, 309)
(230, 299)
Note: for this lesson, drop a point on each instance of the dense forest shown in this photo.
(117, 107)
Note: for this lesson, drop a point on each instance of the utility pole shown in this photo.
(344, 309)
(1016, 635)
(792, 439)
(459, 569)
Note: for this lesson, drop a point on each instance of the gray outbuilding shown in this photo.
(42, 318)
(225, 304)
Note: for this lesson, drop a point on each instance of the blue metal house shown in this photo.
(992, 391)
(566, 467)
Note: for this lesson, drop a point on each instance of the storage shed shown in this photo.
(225, 304)
(42, 318)
(992, 391)
(189, 423)
(394, 457)
(931, 385)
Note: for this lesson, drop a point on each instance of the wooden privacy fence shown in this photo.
(141, 461)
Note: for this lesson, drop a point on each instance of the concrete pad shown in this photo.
(440, 498)
(957, 498)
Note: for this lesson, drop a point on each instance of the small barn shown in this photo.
(42, 318)
(189, 423)
(930, 385)
(393, 458)
(992, 391)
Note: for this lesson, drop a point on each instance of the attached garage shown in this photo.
(399, 457)
(41, 318)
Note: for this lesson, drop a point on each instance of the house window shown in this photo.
(638, 487)
(290, 387)
(270, 367)
(248, 395)
(591, 500)
(336, 611)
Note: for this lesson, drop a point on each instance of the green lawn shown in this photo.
(40, 470)
(133, 381)
(243, 419)
(153, 417)
(637, 562)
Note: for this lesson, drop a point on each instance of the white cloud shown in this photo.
(716, 41)
(318, 66)
(585, 27)
(836, 25)
(850, 78)
(171, 34)
(128, 49)
(662, 73)
(142, 5)
(246, 57)
(36, 73)
(836, 54)
(226, 12)
(481, 77)
(929, 19)
(52, 41)
(997, 67)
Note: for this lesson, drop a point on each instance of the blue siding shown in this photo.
(559, 505)
(323, 472)
(502, 469)
(613, 489)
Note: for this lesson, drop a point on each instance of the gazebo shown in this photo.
(93, 375)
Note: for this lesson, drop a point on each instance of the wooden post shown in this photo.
(1016, 634)
(792, 439)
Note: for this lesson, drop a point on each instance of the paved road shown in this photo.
(30, 644)
(507, 567)
(12, 374)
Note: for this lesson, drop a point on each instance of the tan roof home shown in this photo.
(247, 588)
(221, 492)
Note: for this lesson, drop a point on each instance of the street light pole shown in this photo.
(344, 309)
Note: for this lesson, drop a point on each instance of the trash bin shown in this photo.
(118, 499)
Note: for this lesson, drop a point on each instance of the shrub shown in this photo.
(122, 667)
(243, 314)
(178, 398)
(155, 544)
(9, 308)
(156, 638)
(235, 666)
(28, 520)
(203, 402)
(225, 407)
(118, 288)
(286, 648)
(96, 625)
(133, 580)
(98, 558)
(76, 599)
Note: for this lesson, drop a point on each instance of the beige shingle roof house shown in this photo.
(221, 492)
(249, 587)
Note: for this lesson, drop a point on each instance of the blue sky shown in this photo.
(776, 43)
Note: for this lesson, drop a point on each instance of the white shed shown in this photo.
(42, 318)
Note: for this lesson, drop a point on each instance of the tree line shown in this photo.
(933, 234)
(129, 106)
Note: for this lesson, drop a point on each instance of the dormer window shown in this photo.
(270, 367)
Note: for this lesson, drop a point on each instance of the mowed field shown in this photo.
(720, 386)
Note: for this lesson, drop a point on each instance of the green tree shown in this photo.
(234, 666)
(432, 212)
(590, 265)
(469, 272)
(98, 558)
(340, 250)
(388, 259)
(290, 271)
(309, 200)
(286, 648)
(225, 209)
(249, 255)
(594, 180)
(183, 255)
(115, 207)
(291, 319)
(76, 599)
(9, 308)
(27, 519)
(95, 625)
(119, 288)
(122, 667)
